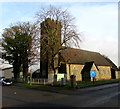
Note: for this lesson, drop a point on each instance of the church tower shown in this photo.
(50, 42)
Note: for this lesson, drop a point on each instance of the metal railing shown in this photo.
(39, 81)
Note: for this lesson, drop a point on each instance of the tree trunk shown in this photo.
(25, 68)
(16, 70)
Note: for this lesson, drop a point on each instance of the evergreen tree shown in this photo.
(18, 42)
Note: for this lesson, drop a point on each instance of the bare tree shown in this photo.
(57, 32)
(29, 45)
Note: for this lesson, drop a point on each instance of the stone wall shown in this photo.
(103, 72)
(74, 69)
(117, 74)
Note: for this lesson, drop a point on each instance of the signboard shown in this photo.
(59, 76)
(92, 73)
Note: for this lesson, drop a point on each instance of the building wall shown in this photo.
(1, 73)
(74, 69)
(117, 74)
(7, 73)
(97, 72)
(104, 72)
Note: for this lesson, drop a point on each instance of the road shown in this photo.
(14, 96)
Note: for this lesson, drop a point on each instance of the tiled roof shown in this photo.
(79, 56)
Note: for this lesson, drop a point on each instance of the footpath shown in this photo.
(74, 91)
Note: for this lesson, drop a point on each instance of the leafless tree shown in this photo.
(51, 32)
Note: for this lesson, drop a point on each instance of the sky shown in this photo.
(97, 22)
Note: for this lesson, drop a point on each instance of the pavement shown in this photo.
(74, 91)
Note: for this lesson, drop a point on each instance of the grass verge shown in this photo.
(88, 83)
(79, 84)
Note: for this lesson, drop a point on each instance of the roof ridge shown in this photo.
(75, 55)
(84, 50)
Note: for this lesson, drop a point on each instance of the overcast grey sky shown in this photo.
(96, 21)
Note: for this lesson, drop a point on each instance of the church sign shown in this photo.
(92, 73)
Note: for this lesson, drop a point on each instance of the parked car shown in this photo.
(5, 81)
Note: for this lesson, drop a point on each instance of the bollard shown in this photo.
(73, 81)
(38, 81)
(44, 81)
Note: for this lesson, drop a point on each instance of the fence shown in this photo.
(39, 81)
(43, 81)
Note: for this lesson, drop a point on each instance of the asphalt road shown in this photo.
(14, 96)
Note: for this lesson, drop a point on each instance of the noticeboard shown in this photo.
(59, 76)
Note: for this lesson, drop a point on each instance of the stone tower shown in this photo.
(50, 39)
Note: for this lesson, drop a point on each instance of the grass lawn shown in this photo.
(79, 84)
(40, 85)
(31, 85)
(87, 83)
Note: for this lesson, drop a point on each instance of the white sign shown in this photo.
(59, 76)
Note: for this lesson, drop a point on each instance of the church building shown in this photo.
(72, 61)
